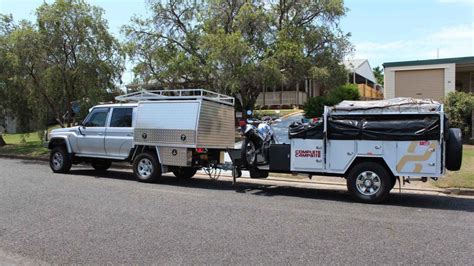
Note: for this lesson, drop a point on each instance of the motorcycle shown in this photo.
(257, 138)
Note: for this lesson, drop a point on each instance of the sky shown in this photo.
(381, 30)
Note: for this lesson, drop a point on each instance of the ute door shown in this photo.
(119, 135)
(91, 141)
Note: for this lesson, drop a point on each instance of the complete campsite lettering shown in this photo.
(307, 153)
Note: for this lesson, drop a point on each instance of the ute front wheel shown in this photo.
(60, 160)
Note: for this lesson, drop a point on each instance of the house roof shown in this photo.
(352, 64)
(456, 60)
(360, 67)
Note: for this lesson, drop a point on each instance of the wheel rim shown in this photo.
(58, 160)
(250, 152)
(368, 183)
(145, 168)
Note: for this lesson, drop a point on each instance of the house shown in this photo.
(433, 78)
(359, 72)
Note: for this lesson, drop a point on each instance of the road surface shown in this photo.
(281, 128)
(91, 218)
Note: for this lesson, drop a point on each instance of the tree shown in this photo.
(459, 106)
(67, 55)
(238, 46)
(378, 72)
(13, 100)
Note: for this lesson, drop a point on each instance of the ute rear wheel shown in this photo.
(146, 167)
(184, 172)
(369, 182)
(60, 160)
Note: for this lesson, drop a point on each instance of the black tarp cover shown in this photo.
(306, 131)
(371, 127)
(384, 127)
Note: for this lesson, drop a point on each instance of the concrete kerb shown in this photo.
(277, 180)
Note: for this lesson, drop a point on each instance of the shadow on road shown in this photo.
(404, 199)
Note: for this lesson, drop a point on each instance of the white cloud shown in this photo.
(452, 41)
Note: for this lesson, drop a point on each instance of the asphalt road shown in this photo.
(84, 217)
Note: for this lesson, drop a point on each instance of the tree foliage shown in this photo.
(67, 55)
(378, 73)
(459, 107)
(238, 46)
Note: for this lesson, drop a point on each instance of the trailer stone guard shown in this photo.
(371, 144)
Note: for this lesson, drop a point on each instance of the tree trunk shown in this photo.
(2, 141)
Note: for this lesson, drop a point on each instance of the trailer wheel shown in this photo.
(369, 182)
(146, 167)
(101, 165)
(184, 172)
(60, 160)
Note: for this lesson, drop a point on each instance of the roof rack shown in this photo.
(184, 94)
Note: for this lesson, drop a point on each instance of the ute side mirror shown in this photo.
(83, 126)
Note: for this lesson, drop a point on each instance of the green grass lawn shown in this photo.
(463, 178)
(21, 144)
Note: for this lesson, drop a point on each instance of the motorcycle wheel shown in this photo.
(249, 152)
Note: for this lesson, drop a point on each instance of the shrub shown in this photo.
(344, 92)
(458, 107)
(314, 107)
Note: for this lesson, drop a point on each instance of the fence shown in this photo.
(369, 93)
(281, 98)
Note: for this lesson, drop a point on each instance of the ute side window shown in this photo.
(97, 118)
(121, 117)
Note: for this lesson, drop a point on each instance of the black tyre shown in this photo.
(248, 152)
(60, 160)
(394, 182)
(146, 167)
(454, 149)
(256, 173)
(184, 172)
(101, 165)
(369, 182)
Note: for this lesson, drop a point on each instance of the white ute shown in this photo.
(177, 131)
